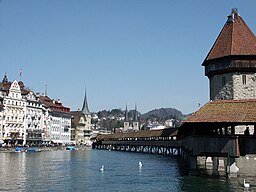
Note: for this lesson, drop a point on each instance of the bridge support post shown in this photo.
(232, 169)
(215, 164)
(192, 162)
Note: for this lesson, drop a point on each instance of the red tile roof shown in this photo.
(169, 132)
(227, 111)
(54, 105)
(235, 38)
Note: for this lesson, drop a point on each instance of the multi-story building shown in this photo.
(13, 113)
(27, 118)
(34, 119)
(58, 121)
(46, 133)
(81, 125)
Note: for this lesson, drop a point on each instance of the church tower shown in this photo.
(231, 63)
(135, 122)
(126, 120)
(87, 120)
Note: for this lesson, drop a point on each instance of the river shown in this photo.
(79, 171)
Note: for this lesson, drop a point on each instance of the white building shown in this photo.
(27, 118)
(57, 121)
(34, 119)
(13, 113)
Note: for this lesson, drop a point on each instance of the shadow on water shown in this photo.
(208, 180)
(79, 171)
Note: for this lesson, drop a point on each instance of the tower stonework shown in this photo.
(231, 63)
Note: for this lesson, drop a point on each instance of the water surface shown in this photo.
(79, 171)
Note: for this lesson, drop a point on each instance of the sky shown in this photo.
(136, 52)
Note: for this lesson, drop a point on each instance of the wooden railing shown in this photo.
(198, 145)
(162, 143)
(217, 145)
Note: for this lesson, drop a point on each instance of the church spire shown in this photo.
(85, 108)
(126, 113)
(135, 113)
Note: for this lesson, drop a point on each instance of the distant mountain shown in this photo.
(162, 114)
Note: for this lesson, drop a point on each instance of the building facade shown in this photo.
(131, 124)
(13, 113)
(81, 125)
(57, 122)
(34, 119)
(31, 119)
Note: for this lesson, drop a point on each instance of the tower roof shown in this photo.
(135, 113)
(126, 113)
(85, 108)
(235, 39)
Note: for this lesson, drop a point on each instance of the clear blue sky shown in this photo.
(144, 52)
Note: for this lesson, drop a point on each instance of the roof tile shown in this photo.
(238, 111)
(235, 38)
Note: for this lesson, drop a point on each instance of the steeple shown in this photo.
(135, 114)
(85, 108)
(126, 113)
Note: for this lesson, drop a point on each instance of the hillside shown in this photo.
(162, 114)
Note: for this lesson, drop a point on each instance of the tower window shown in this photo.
(223, 80)
(244, 79)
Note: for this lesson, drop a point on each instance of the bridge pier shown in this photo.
(232, 168)
(192, 162)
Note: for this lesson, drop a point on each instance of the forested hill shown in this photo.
(163, 114)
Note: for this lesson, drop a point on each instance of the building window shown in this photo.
(244, 79)
(223, 80)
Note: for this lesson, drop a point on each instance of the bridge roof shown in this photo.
(225, 111)
(141, 134)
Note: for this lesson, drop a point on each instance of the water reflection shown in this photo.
(13, 171)
(79, 171)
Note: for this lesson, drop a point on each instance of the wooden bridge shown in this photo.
(153, 141)
(170, 142)
(167, 142)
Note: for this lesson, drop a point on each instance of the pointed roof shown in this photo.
(126, 113)
(85, 108)
(235, 39)
(135, 114)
